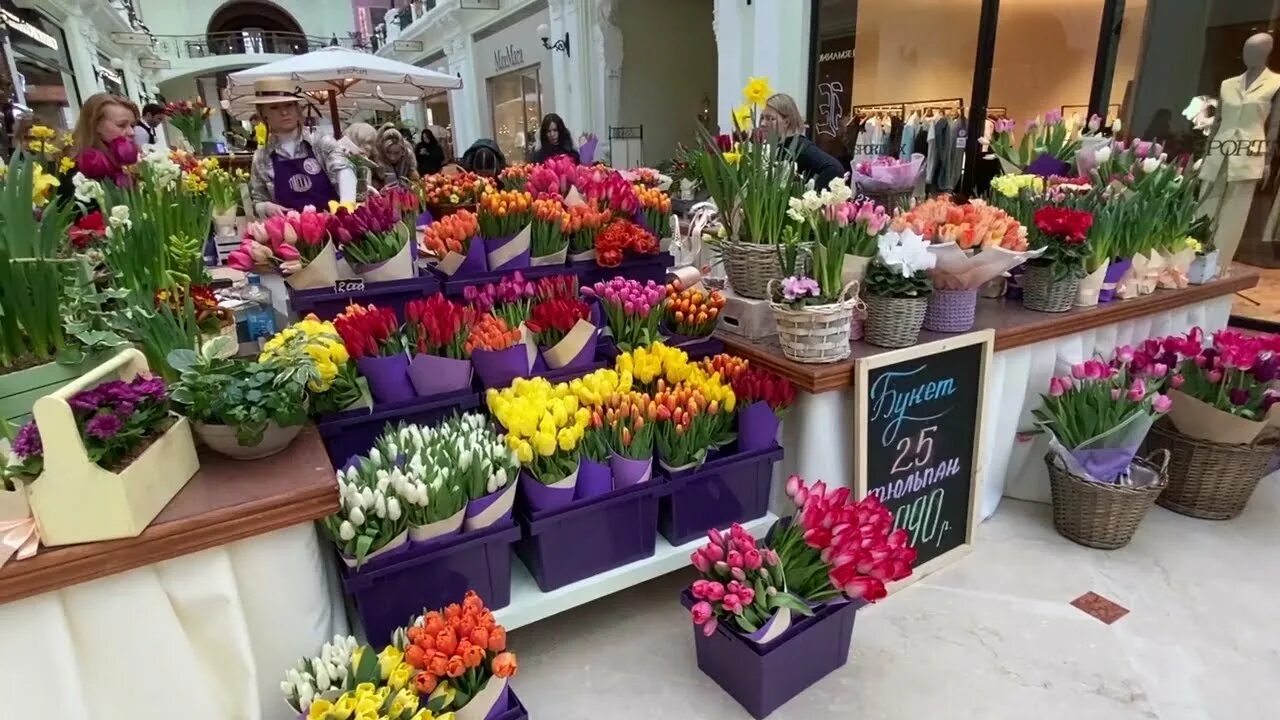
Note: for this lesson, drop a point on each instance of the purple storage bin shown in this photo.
(764, 677)
(729, 489)
(395, 294)
(587, 538)
(567, 374)
(432, 575)
(641, 268)
(696, 348)
(515, 709)
(455, 287)
(353, 432)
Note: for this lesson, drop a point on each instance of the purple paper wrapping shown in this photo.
(518, 262)
(1013, 288)
(1115, 272)
(475, 261)
(594, 479)
(497, 368)
(541, 498)
(435, 375)
(1047, 166)
(501, 705)
(587, 151)
(585, 356)
(1106, 464)
(388, 377)
(425, 219)
(628, 472)
(757, 426)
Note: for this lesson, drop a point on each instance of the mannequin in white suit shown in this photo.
(1242, 145)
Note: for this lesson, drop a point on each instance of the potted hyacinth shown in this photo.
(898, 287)
(1097, 418)
(775, 617)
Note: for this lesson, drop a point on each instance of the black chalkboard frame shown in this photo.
(862, 370)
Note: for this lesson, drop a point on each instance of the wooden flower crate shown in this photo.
(20, 390)
(74, 500)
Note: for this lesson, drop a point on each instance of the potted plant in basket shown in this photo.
(794, 597)
(1097, 418)
(898, 288)
(244, 410)
(1052, 281)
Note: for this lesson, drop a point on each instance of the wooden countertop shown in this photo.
(1014, 326)
(227, 500)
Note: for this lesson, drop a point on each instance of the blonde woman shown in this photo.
(396, 165)
(359, 143)
(782, 116)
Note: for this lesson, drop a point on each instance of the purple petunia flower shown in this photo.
(103, 426)
(26, 444)
(794, 288)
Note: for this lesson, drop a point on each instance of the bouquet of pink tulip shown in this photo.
(552, 178)
(741, 583)
(631, 309)
(264, 247)
(510, 299)
(1100, 414)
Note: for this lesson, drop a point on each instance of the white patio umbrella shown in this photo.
(341, 72)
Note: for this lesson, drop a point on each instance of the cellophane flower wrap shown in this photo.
(116, 419)
(456, 652)
(369, 331)
(370, 515)
(438, 326)
(632, 309)
(371, 233)
(974, 242)
(544, 425)
(1099, 414)
(900, 268)
(510, 298)
(741, 584)
(1223, 391)
(883, 174)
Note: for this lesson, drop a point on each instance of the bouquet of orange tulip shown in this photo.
(686, 426)
(446, 192)
(504, 213)
(583, 224)
(631, 419)
(515, 177)
(691, 312)
(450, 234)
(655, 208)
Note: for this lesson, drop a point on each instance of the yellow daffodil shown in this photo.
(757, 91)
(732, 158)
(43, 185)
(1192, 244)
(334, 205)
(42, 132)
(742, 117)
(65, 165)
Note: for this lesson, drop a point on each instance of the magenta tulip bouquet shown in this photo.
(631, 309)
(372, 233)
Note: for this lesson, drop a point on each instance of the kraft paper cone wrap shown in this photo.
(398, 267)
(1091, 286)
(488, 704)
(541, 497)
(396, 543)
(555, 258)
(574, 198)
(579, 345)
(1198, 419)
(322, 272)
(509, 254)
(490, 509)
(440, 528)
(773, 628)
(472, 262)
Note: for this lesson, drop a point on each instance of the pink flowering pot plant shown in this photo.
(1098, 415)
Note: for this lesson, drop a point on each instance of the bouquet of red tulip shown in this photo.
(369, 331)
(756, 384)
(405, 202)
(557, 286)
(372, 233)
(438, 326)
(189, 116)
(552, 319)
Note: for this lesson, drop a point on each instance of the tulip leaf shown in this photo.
(746, 624)
(793, 603)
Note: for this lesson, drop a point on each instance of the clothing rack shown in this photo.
(887, 109)
(956, 104)
(997, 112)
(1112, 110)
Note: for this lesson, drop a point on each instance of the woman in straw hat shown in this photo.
(290, 171)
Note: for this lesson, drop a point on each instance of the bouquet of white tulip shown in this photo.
(477, 453)
(325, 676)
(425, 479)
(370, 519)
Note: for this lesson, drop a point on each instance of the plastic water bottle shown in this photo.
(260, 316)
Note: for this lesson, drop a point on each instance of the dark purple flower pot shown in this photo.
(518, 262)
(388, 378)
(431, 575)
(354, 431)
(544, 498)
(627, 472)
(695, 347)
(731, 488)
(433, 375)
(1115, 272)
(757, 427)
(764, 677)
(497, 368)
(594, 479)
(587, 538)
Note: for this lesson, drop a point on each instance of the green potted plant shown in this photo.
(242, 409)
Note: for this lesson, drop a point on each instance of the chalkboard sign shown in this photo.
(919, 428)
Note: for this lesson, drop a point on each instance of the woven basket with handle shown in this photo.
(1100, 515)
(751, 266)
(1208, 480)
(819, 333)
(1043, 293)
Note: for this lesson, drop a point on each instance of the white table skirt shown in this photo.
(818, 435)
(201, 637)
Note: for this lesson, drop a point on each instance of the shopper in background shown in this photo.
(430, 153)
(104, 143)
(289, 170)
(781, 116)
(359, 143)
(484, 158)
(395, 159)
(554, 139)
(149, 130)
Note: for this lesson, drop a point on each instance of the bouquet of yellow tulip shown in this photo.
(544, 424)
(655, 362)
(721, 403)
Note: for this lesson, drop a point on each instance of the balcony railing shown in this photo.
(243, 42)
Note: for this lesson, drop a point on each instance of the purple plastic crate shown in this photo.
(698, 348)
(455, 287)
(727, 489)
(353, 432)
(388, 591)
(515, 709)
(567, 374)
(764, 677)
(327, 304)
(648, 267)
(566, 545)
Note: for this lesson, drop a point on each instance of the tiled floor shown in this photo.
(1263, 301)
(994, 636)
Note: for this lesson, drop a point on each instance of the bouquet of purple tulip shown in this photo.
(510, 299)
(371, 233)
(631, 309)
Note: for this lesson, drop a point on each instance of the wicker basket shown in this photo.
(1041, 292)
(894, 322)
(1209, 480)
(820, 333)
(751, 266)
(1099, 515)
(951, 311)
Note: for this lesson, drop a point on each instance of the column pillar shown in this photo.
(732, 49)
(603, 71)
(573, 98)
(207, 88)
(780, 51)
(464, 106)
(82, 43)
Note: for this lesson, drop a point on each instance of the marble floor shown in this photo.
(993, 636)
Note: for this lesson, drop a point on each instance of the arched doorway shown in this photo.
(255, 27)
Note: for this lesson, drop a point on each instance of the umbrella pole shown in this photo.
(333, 115)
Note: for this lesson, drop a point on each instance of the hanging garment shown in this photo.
(958, 131)
(1241, 140)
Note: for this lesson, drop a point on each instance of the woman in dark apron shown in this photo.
(294, 170)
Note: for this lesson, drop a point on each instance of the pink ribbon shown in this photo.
(18, 538)
(1173, 278)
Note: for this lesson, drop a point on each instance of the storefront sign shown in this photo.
(155, 63)
(131, 38)
(507, 57)
(834, 83)
(407, 46)
(108, 74)
(919, 420)
(19, 25)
